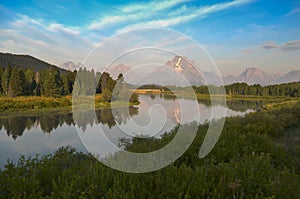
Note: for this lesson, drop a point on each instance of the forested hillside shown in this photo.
(25, 62)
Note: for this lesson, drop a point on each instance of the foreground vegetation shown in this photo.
(249, 161)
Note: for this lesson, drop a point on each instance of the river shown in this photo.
(45, 133)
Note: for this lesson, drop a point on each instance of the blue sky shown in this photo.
(236, 33)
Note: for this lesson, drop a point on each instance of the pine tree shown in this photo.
(1, 73)
(65, 87)
(37, 79)
(5, 80)
(97, 82)
(52, 82)
(17, 83)
(71, 79)
(30, 81)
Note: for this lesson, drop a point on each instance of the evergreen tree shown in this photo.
(52, 82)
(37, 89)
(97, 82)
(65, 87)
(90, 82)
(71, 76)
(30, 81)
(5, 79)
(1, 73)
(103, 81)
(17, 83)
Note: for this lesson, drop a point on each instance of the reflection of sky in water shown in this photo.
(154, 117)
(34, 142)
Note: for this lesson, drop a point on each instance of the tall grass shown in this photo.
(21, 103)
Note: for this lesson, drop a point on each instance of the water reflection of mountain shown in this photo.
(49, 121)
(15, 126)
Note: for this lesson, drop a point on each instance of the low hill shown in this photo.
(25, 61)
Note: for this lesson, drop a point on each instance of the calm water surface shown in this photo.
(155, 115)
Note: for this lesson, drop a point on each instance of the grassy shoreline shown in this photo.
(188, 95)
(41, 105)
(33, 104)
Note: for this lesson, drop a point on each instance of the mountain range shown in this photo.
(177, 71)
(254, 75)
(180, 68)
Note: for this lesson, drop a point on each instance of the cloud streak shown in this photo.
(184, 14)
(49, 41)
(293, 12)
(133, 12)
(139, 15)
(288, 46)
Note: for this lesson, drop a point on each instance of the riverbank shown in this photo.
(35, 105)
(193, 95)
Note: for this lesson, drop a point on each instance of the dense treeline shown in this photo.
(51, 82)
(248, 161)
(282, 90)
(26, 82)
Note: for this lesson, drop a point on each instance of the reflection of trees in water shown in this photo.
(15, 126)
(109, 117)
(243, 105)
(49, 122)
(235, 105)
(105, 116)
(121, 115)
(68, 119)
(83, 118)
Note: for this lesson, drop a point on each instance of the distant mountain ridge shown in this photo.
(180, 65)
(253, 75)
(168, 74)
(292, 76)
(25, 61)
(71, 66)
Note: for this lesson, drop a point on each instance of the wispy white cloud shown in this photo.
(154, 5)
(56, 27)
(293, 12)
(134, 12)
(183, 15)
(24, 22)
(49, 41)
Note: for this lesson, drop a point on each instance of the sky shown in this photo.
(235, 33)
